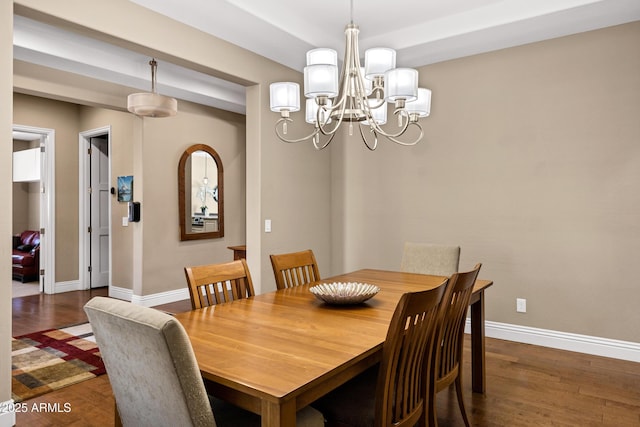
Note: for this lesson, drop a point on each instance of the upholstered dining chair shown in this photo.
(295, 268)
(448, 346)
(217, 283)
(392, 394)
(427, 258)
(154, 373)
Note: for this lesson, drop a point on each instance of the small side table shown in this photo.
(239, 252)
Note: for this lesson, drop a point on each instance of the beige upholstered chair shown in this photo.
(392, 394)
(217, 283)
(448, 347)
(425, 258)
(296, 268)
(154, 374)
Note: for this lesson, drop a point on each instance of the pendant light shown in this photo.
(152, 104)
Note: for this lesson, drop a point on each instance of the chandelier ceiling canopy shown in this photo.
(358, 95)
(152, 104)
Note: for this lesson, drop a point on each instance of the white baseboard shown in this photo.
(624, 350)
(72, 285)
(128, 295)
(120, 293)
(7, 414)
(149, 300)
(161, 298)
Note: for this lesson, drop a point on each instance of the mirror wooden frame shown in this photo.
(184, 235)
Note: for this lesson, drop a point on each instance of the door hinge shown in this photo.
(42, 231)
(42, 150)
(42, 272)
(89, 269)
(89, 151)
(88, 229)
(90, 190)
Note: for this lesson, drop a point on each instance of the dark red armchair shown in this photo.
(26, 256)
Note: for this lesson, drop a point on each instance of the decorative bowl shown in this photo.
(344, 293)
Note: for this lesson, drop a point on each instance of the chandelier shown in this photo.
(361, 97)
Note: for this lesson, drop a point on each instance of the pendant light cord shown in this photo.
(154, 65)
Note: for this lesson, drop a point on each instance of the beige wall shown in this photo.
(6, 113)
(268, 162)
(531, 163)
(163, 142)
(64, 119)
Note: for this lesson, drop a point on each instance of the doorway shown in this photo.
(43, 185)
(95, 208)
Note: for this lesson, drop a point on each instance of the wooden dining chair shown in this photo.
(217, 283)
(296, 268)
(154, 373)
(448, 346)
(428, 258)
(392, 393)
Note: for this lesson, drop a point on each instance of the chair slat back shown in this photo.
(294, 269)
(218, 283)
(451, 335)
(406, 358)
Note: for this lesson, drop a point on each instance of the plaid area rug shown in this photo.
(49, 360)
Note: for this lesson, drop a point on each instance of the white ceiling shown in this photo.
(422, 32)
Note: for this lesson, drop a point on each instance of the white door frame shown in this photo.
(84, 243)
(48, 208)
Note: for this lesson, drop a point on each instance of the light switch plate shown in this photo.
(267, 226)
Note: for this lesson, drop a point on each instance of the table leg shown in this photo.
(477, 344)
(278, 415)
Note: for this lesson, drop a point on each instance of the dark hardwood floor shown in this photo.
(38, 312)
(526, 385)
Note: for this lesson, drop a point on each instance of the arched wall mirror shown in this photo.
(200, 193)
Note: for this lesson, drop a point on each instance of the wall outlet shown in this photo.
(521, 305)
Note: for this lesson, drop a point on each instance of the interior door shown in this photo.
(99, 231)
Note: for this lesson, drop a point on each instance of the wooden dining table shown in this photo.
(277, 352)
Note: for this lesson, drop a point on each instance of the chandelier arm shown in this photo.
(402, 130)
(407, 144)
(284, 139)
(341, 106)
(378, 105)
(338, 122)
(341, 100)
(337, 109)
(364, 139)
(316, 139)
(366, 101)
(342, 92)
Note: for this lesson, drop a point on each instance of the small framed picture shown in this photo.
(125, 188)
